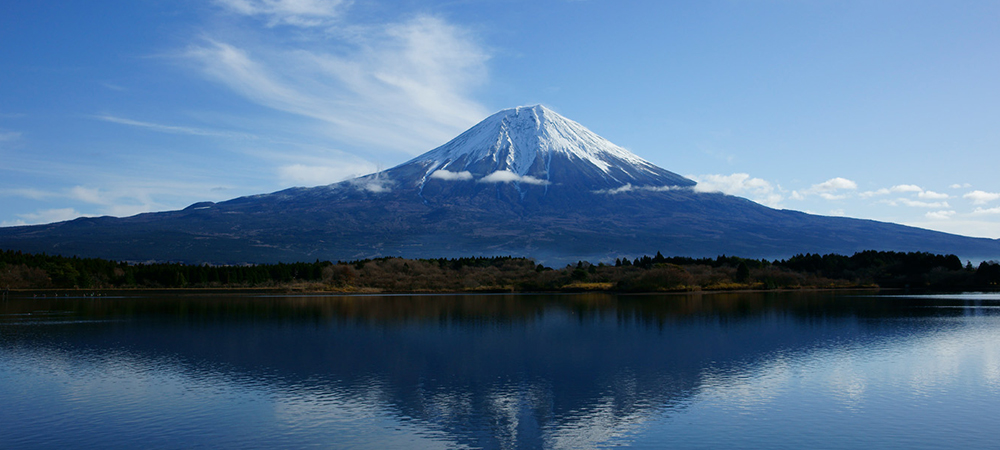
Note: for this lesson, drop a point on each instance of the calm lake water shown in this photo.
(805, 370)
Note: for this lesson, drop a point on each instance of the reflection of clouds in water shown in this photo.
(597, 426)
(129, 399)
(512, 411)
(923, 365)
(445, 406)
(516, 414)
(150, 401)
(362, 419)
(623, 411)
(746, 387)
(966, 353)
(845, 383)
(507, 408)
(546, 382)
(109, 382)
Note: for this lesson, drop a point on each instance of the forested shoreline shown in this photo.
(917, 270)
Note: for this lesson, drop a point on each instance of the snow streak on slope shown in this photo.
(525, 141)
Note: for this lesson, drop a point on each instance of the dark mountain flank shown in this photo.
(525, 182)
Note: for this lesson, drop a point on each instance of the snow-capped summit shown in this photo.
(535, 145)
(525, 181)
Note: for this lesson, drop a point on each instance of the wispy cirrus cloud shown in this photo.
(120, 198)
(172, 129)
(30, 193)
(6, 136)
(402, 86)
(301, 13)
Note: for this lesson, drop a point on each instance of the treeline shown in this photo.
(20, 270)
(884, 269)
(643, 274)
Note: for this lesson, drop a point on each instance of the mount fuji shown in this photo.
(524, 181)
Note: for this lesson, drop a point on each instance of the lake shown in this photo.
(728, 370)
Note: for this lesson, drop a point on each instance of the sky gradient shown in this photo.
(885, 110)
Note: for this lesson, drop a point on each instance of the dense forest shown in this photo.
(643, 274)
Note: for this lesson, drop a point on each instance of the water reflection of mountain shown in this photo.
(488, 371)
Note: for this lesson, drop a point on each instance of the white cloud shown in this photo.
(834, 184)
(618, 190)
(172, 129)
(34, 194)
(506, 176)
(829, 196)
(869, 194)
(995, 210)
(830, 190)
(121, 202)
(742, 184)
(960, 186)
(400, 86)
(376, 182)
(447, 175)
(906, 188)
(501, 176)
(931, 195)
(88, 195)
(114, 87)
(49, 216)
(628, 187)
(316, 175)
(980, 197)
(940, 215)
(302, 13)
(117, 196)
(126, 209)
(917, 203)
(962, 226)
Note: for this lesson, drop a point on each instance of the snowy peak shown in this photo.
(536, 145)
(514, 138)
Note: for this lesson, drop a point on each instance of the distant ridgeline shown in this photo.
(644, 274)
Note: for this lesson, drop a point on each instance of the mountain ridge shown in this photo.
(524, 181)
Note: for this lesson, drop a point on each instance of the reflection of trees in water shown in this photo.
(490, 371)
(465, 309)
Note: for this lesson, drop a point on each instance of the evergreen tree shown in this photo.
(742, 272)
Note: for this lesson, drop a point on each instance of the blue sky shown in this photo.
(887, 110)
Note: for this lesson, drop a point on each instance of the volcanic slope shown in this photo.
(524, 181)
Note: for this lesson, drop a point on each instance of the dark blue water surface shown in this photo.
(802, 370)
